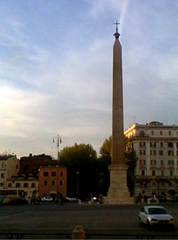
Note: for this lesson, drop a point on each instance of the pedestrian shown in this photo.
(100, 198)
(58, 197)
(139, 198)
(61, 199)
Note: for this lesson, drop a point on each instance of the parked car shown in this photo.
(164, 199)
(47, 199)
(17, 201)
(154, 215)
(173, 199)
(70, 199)
(94, 198)
(153, 199)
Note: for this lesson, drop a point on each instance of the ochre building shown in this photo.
(52, 181)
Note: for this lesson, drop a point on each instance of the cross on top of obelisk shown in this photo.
(116, 34)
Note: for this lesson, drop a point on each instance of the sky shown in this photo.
(56, 70)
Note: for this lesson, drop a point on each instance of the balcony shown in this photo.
(139, 178)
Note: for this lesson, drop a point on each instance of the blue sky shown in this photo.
(56, 69)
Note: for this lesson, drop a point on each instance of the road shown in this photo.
(52, 215)
(71, 214)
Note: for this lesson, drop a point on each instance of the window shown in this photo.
(171, 162)
(170, 133)
(142, 162)
(152, 144)
(2, 175)
(162, 173)
(17, 184)
(17, 166)
(53, 183)
(61, 173)
(142, 144)
(9, 184)
(45, 174)
(33, 185)
(170, 153)
(161, 152)
(142, 152)
(61, 183)
(162, 162)
(153, 152)
(161, 132)
(45, 183)
(2, 165)
(153, 162)
(170, 184)
(142, 133)
(170, 144)
(171, 173)
(25, 184)
(53, 174)
(153, 173)
(161, 144)
(152, 132)
(143, 172)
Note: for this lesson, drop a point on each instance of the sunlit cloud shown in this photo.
(56, 69)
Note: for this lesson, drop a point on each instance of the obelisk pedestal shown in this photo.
(118, 192)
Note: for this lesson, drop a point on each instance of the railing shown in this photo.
(88, 233)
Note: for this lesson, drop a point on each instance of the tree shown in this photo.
(103, 162)
(130, 159)
(105, 149)
(81, 161)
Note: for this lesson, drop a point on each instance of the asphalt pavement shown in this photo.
(54, 216)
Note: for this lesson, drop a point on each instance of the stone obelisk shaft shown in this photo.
(118, 191)
(117, 111)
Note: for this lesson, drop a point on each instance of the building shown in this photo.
(27, 183)
(52, 180)
(31, 164)
(156, 146)
(9, 166)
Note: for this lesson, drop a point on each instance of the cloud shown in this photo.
(56, 70)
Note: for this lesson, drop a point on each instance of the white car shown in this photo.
(70, 199)
(47, 199)
(155, 215)
(152, 199)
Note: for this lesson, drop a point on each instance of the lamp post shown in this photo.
(59, 140)
(77, 185)
(158, 180)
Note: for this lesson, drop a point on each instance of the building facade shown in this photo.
(52, 180)
(156, 146)
(32, 163)
(27, 183)
(9, 166)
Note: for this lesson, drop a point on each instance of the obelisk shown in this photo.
(118, 192)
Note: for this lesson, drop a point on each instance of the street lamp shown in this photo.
(77, 185)
(158, 180)
(59, 140)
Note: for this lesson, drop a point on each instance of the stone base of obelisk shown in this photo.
(118, 191)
